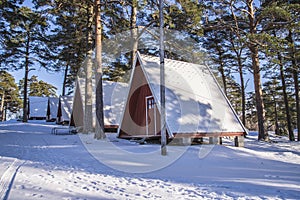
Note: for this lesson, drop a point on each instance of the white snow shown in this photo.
(35, 164)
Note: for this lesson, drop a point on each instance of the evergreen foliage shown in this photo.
(38, 88)
(9, 95)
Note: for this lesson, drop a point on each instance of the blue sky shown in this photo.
(55, 79)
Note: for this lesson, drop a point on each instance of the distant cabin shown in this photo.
(52, 109)
(37, 107)
(114, 96)
(64, 110)
(196, 107)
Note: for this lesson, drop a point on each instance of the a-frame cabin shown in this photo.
(196, 107)
(113, 103)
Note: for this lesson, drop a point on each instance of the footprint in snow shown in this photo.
(120, 189)
(20, 187)
(95, 188)
(51, 175)
(86, 188)
(108, 191)
(271, 176)
(37, 195)
(67, 191)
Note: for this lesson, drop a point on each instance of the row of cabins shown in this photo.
(51, 109)
(196, 106)
(69, 110)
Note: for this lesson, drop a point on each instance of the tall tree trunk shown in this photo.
(262, 133)
(2, 106)
(88, 115)
(221, 70)
(286, 102)
(65, 80)
(238, 53)
(99, 132)
(296, 81)
(242, 90)
(5, 113)
(276, 116)
(134, 31)
(25, 104)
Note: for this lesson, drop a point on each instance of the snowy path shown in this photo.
(12, 167)
(8, 177)
(37, 165)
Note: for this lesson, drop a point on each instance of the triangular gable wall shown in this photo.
(133, 122)
(37, 108)
(77, 116)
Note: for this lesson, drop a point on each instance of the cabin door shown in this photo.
(150, 116)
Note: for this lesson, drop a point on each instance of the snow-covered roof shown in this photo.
(66, 103)
(114, 96)
(194, 100)
(37, 106)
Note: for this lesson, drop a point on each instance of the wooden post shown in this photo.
(162, 79)
(213, 140)
(239, 141)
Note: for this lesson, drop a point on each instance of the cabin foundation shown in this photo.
(239, 141)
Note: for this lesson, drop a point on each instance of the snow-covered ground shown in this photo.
(35, 164)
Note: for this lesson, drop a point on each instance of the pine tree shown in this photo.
(24, 46)
(280, 19)
(141, 19)
(251, 112)
(273, 105)
(294, 56)
(67, 37)
(41, 88)
(234, 94)
(8, 11)
(215, 43)
(237, 47)
(224, 33)
(9, 95)
(99, 131)
(37, 88)
(254, 53)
